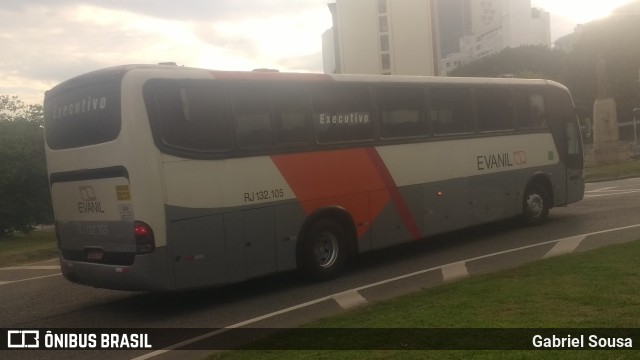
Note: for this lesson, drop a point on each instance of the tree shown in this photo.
(531, 61)
(612, 39)
(24, 188)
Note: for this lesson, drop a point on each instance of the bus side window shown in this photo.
(531, 112)
(289, 106)
(341, 114)
(252, 117)
(451, 111)
(191, 117)
(495, 109)
(401, 112)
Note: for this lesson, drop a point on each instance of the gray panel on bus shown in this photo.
(197, 250)
(259, 239)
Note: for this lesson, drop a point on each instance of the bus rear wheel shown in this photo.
(323, 251)
(535, 205)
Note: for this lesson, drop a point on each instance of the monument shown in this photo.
(606, 145)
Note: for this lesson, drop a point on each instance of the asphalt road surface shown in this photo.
(37, 296)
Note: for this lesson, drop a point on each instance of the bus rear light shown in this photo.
(145, 242)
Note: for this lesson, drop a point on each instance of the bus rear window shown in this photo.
(82, 115)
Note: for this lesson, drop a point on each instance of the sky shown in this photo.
(44, 42)
(566, 14)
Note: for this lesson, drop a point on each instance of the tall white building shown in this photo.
(382, 37)
(495, 25)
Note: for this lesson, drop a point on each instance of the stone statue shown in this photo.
(606, 146)
(604, 90)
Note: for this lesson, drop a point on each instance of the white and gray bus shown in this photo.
(167, 178)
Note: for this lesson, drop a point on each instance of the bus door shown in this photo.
(575, 162)
(566, 133)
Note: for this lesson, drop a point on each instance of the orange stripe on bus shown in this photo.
(355, 179)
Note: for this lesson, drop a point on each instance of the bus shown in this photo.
(167, 178)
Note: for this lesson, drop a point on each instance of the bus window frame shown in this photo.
(367, 90)
(423, 113)
(430, 106)
(308, 121)
(529, 90)
(476, 91)
(312, 144)
(232, 104)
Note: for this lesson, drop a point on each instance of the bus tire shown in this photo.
(323, 251)
(535, 204)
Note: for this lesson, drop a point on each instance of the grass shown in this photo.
(597, 289)
(621, 170)
(20, 249)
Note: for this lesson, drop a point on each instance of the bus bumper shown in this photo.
(149, 272)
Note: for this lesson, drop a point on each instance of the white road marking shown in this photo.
(565, 246)
(608, 191)
(455, 271)
(31, 266)
(28, 279)
(337, 295)
(622, 192)
(34, 267)
(351, 299)
(604, 188)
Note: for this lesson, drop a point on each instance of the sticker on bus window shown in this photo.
(123, 193)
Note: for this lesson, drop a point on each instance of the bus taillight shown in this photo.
(145, 242)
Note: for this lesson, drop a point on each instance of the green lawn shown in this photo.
(598, 289)
(21, 249)
(614, 171)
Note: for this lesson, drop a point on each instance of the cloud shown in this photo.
(44, 42)
(187, 10)
(303, 63)
(270, 38)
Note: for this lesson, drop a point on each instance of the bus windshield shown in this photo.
(83, 115)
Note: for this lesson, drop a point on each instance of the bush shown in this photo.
(25, 199)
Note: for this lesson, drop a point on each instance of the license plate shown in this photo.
(95, 254)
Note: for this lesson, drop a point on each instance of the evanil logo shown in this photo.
(85, 105)
(89, 203)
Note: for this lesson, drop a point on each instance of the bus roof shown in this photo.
(272, 75)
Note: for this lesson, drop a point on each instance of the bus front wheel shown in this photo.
(323, 251)
(535, 205)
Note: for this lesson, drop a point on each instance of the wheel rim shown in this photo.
(325, 249)
(535, 205)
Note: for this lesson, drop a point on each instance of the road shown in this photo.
(37, 296)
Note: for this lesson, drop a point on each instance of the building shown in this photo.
(387, 37)
(453, 24)
(490, 26)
